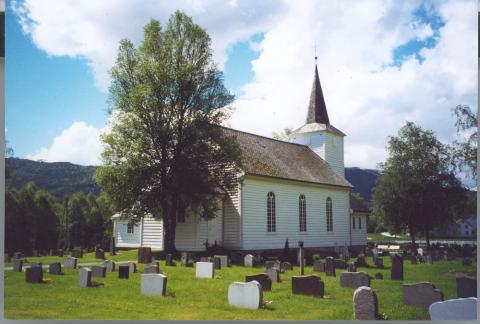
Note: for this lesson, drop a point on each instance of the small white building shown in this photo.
(295, 190)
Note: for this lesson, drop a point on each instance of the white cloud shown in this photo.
(80, 144)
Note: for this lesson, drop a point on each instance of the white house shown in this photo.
(294, 189)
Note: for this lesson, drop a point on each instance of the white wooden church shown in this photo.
(292, 189)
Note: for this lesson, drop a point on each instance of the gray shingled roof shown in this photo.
(317, 111)
(357, 205)
(268, 157)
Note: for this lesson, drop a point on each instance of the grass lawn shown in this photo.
(189, 298)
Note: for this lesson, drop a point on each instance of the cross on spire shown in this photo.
(315, 50)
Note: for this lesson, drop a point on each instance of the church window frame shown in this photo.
(130, 228)
(360, 222)
(302, 213)
(353, 222)
(329, 214)
(271, 213)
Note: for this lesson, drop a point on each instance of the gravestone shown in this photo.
(340, 264)
(110, 265)
(225, 262)
(274, 274)
(99, 271)
(466, 286)
(206, 259)
(462, 309)
(420, 251)
(17, 255)
(429, 258)
(99, 254)
(263, 279)
(113, 250)
(379, 276)
(421, 294)
(204, 270)
(50, 252)
(184, 259)
(55, 268)
(17, 265)
(413, 259)
(36, 264)
(154, 284)
(70, 263)
(379, 263)
(329, 267)
(269, 264)
(132, 267)
(467, 261)
(351, 267)
(245, 294)
(151, 268)
(354, 279)
(397, 267)
(84, 277)
(248, 261)
(217, 263)
(361, 260)
(365, 304)
(144, 255)
(34, 275)
(169, 260)
(286, 266)
(123, 271)
(77, 253)
(7, 258)
(308, 285)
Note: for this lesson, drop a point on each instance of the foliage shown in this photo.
(417, 188)
(165, 154)
(465, 152)
(284, 135)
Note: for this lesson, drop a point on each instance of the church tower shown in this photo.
(318, 133)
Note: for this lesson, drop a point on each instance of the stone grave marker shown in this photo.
(397, 267)
(169, 260)
(245, 294)
(17, 265)
(248, 261)
(225, 262)
(429, 258)
(132, 267)
(99, 254)
(413, 259)
(123, 271)
(70, 263)
(263, 279)
(269, 264)
(466, 286)
(286, 266)
(217, 263)
(99, 271)
(329, 267)
(151, 268)
(144, 255)
(18, 255)
(184, 259)
(36, 264)
(340, 264)
(34, 274)
(77, 253)
(154, 284)
(379, 276)
(308, 285)
(113, 250)
(462, 309)
(361, 260)
(354, 279)
(55, 268)
(421, 294)
(110, 265)
(204, 270)
(351, 267)
(274, 274)
(84, 277)
(365, 304)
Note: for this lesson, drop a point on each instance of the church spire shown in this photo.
(317, 111)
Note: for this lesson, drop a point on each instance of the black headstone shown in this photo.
(55, 268)
(99, 271)
(397, 267)
(330, 267)
(77, 253)
(113, 250)
(99, 254)
(34, 275)
(169, 260)
(144, 255)
(217, 262)
(308, 285)
(466, 287)
(123, 271)
(263, 279)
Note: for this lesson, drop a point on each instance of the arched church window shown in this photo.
(329, 215)
(302, 213)
(271, 219)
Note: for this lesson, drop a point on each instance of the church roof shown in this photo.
(269, 157)
(314, 127)
(357, 205)
(317, 111)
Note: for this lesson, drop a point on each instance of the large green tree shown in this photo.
(465, 151)
(417, 188)
(165, 154)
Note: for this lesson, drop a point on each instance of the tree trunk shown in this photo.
(170, 222)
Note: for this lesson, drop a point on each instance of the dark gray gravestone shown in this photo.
(351, 267)
(151, 268)
(123, 271)
(308, 285)
(17, 265)
(354, 279)
(36, 264)
(217, 263)
(318, 266)
(169, 260)
(184, 259)
(77, 253)
(113, 250)
(144, 255)
(84, 277)
(413, 259)
(340, 264)
(361, 260)
(397, 267)
(263, 279)
(99, 271)
(132, 267)
(18, 255)
(421, 294)
(34, 275)
(99, 254)
(55, 268)
(329, 267)
(466, 287)
(110, 265)
(379, 276)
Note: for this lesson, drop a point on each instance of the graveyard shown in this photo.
(189, 297)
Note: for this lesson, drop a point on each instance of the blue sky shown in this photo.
(388, 61)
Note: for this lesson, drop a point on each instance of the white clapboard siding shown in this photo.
(231, 223)
(334, 152)
(359, 235)
(152, 235)
(124, 239)
(255, 235)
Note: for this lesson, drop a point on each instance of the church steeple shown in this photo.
(317, 111)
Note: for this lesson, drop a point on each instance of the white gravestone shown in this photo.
(461, 309)
(245, 294)
(204, 270)
(154, 284)
(223, 260)
(420, 251)
(84, 277)
(248, 261)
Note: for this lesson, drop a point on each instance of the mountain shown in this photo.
(64, 178)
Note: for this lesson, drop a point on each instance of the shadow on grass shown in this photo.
(171, 294)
